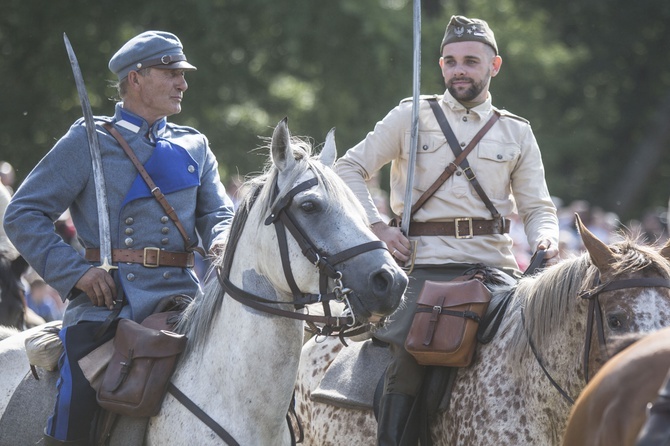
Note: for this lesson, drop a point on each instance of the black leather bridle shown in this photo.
(595, 311)
(283, 220)
(594, 320)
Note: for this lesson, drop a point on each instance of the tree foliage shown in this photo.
(588, 75)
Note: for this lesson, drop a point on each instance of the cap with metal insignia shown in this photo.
(149, 49)
(462, 29)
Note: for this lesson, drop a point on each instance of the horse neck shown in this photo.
(248, 355)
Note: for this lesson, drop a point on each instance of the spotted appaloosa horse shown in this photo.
(241, 363)
(506, 396)
(613, 407)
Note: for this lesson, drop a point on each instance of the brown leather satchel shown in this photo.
(444, 328)
(137, 376)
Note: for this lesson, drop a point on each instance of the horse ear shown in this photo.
(282, 155)
(665, 250)
(601, 255)
(329, 151)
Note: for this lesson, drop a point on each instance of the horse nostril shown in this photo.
(381, 281)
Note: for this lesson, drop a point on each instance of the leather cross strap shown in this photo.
(453, 144)
(460, 227)
(155, 190)
(149, 257)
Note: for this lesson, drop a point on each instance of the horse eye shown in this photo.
(613, 322)
(309, 206)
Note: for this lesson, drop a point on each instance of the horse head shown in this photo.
(325, 226)
(629, 293)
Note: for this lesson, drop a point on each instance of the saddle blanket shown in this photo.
(352, 377)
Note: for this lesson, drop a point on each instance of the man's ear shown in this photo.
(497, 63)
(133, 78)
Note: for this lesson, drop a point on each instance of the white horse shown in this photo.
(507, 397)
(241, 363)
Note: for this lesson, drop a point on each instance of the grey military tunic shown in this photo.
(180, 162)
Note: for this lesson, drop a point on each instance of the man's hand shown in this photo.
(551, 254)
(98, 286)
(397, 244)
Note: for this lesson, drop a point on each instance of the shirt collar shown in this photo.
(482, 109)
(137, 124)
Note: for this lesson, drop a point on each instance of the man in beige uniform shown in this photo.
(508, 166)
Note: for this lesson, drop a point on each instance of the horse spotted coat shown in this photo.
(504, 397)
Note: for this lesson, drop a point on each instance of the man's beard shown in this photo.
(468, 94)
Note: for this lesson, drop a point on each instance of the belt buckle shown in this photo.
(457, 231)
(158, 256)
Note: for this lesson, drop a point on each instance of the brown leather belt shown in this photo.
(465, 227)
(149, 257)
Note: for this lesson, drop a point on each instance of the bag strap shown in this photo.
(155, 190)
(453, 143)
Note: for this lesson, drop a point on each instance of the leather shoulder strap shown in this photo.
(462, 154)
(155, 190)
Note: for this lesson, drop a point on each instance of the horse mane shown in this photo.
(545, 298)
(197, 319)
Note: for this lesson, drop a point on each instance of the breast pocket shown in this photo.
(431, 157)
(493, 166)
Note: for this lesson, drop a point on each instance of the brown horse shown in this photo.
(12, 298)
(612, 408)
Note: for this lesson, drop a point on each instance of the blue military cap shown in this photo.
(149, 49)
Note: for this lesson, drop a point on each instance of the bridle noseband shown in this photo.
(283, 220)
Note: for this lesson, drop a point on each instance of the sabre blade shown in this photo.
(96, 162)
(414, 136)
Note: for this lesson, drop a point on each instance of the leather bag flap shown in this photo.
(456, 292)
(155, 343)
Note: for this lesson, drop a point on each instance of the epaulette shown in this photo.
(507, 114)
(182, 128)
(422, 96)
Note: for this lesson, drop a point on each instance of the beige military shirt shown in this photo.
(507, 163)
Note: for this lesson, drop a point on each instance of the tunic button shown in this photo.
(459, 173)
(164, 219)
(425, 147)
(130, 221)
(462, 144)
(129, 241)
(191, 169)
(500, 157)
(465, 119)
(165, 230)
(130, 277)
(129, 231)
(164, 241)
(167, 275)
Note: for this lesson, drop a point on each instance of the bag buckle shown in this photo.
(145, 263)
(457, 229)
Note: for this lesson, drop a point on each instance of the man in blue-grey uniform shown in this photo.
(150, 252)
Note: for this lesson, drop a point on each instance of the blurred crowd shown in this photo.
(652, 228)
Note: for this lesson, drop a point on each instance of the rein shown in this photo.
(594, 314)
